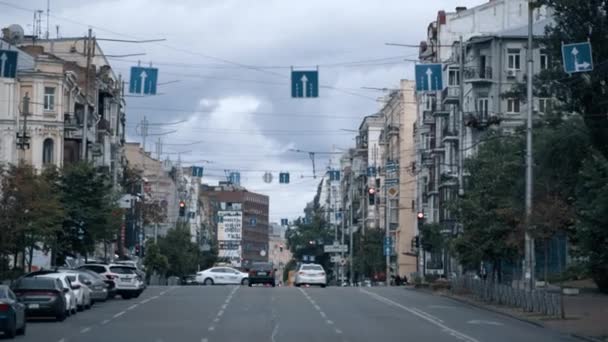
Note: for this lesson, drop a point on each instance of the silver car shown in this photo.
(311, 274)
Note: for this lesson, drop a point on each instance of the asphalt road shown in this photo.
(234, 313)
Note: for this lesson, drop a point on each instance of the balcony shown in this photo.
(478, 75)
(428, 119)
(430, 105)
(450, 95)
(481, 119)
(441, 111)
(450, 134)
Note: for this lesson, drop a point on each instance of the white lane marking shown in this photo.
(62, 340)
(323, 314)
(274, 333)
(119, 314)
(216, 319)
(445, 328)
(220, 313)
(85, 330)
(132, 307)
(330, 322)
(224, 306)
(318, 308)
(205, 340)
(162, 293)
(441, 307)
(338, 331)
(144, 301)
(437, 319)
(105, 321)
(155, 297)
(211, 328)
(480, 322)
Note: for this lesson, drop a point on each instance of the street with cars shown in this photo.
(262, 313)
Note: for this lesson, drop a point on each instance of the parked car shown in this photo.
(81, 290)
(128, 283)
(12, 313)
(261, 273)
(97, 284)
(221, 276)
(104, 271)
(69, 290)
(42, 297)
(189, 280)
(311, 274)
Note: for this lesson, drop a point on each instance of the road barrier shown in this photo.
(540, 300)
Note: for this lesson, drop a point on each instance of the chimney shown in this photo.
(460, 9)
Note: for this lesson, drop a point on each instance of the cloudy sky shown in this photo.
(227, 65)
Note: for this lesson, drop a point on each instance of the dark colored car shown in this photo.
(41, 297)
(12, 313)
(189, 280)
(261, 273)
(97, 284)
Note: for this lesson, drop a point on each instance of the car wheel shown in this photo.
(12, 329)
(208, 281)
(245, 281)
(274, 284)
(297, 285)
(323, 285)
(80, 308)
(21, 331)
(250, 284)
(126, 296)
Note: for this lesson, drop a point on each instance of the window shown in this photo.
(513, 59)
(453, 77)
(482, 108)
(513, 106)
(49, 98)
(544, 60)
(47, 151)
(544, 105)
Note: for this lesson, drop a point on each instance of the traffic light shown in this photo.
(372, 196)
(182, 208)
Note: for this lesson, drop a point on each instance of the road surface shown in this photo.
(235, 313)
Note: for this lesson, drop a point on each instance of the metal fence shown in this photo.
(539, 301)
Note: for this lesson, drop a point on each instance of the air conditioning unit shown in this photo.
(511, 73)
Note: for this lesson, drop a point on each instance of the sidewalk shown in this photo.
(586, 314)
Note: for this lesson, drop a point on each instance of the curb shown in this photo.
(586, 338)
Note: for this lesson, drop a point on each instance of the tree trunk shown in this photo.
(31, 259)
(546, 252)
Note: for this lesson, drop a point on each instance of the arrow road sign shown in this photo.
(143, 81)
(284, 177)
(304, 84)
(577, 57)
(8, 63)
(429, 77)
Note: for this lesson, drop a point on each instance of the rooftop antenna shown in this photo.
(57, 29)
(48, 15)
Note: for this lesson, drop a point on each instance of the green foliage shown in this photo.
(154, 261)
(369, 255)
(491, 210)
(592, 207)
(432, 240)
(308, 239)
(182, 254)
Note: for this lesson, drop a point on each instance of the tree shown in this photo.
(491, 210)
(432, 240)
(369, 260)
(182, 254)
(154, 261)
(592, 207)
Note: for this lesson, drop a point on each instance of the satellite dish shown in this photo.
(15, 34)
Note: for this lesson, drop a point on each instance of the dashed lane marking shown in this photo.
(85, 330)
(119, 314)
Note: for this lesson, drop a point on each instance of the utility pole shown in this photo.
(89, 51)
(23, 139)
(529, 240)
(144, 134)
(350, 232)
(343, 218)
(461, 121)
(387, 232)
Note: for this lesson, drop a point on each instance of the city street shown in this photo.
(230, 313)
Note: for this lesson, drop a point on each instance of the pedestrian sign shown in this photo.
(284, 222)
(8, 63)
(197, 171)
(334, 175)
(429, 77)
(577, 57)
(143, 80)
(304, 84)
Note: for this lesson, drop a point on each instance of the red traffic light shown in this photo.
(372, 191)
(182, 204)
(420, 215)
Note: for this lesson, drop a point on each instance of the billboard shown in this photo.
(229, 236)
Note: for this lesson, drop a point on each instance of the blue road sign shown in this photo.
(429, 77)
(8, 63)
(197, 171)
(304, 84)
(143, 80)
(284, 177)
(391, 166)
(388, 245)
(577, 57)
(371, 171)
(253, 221)
(284, 222)
(334, 175)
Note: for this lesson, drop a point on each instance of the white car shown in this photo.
(311, 274)
(71, 305)
(83, 292)
(129, 284)
(222, 275)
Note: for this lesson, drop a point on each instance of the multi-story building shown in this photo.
(369, 157)
(492, 54)
(254, 210)
(278, 253)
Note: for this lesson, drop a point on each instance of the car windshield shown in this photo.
(3, 293)
(305, 170)
(35, 283)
